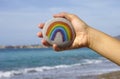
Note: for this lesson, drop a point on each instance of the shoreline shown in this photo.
(22, 46)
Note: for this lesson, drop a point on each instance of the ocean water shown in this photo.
(47, 64)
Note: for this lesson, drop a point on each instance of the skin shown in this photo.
(87, 36)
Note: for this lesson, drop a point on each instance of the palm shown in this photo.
(81, 35)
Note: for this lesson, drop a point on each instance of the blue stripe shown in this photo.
(62, 31)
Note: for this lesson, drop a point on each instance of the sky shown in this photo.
(19, 19)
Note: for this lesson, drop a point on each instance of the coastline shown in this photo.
(22, 46)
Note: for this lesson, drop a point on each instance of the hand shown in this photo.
(81, 39)
(89, 37)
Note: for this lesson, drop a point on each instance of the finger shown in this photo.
(39, 34)
(55, 47)
(41, 25)
(44, 42)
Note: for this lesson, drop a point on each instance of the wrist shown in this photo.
(91, 37)
(83, 37)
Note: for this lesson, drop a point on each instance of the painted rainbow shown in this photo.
(61, 27)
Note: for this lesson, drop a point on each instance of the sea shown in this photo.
(45, 63)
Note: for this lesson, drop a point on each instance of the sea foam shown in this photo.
(11, 73)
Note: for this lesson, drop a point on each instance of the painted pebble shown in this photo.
(59, 31)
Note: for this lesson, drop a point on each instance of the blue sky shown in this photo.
(19, 18)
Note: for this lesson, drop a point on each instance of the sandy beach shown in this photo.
(110, 75)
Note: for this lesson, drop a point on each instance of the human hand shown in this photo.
(81, 39)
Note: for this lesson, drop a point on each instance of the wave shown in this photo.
(29, 70)
(45, 68)
(92, 61)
